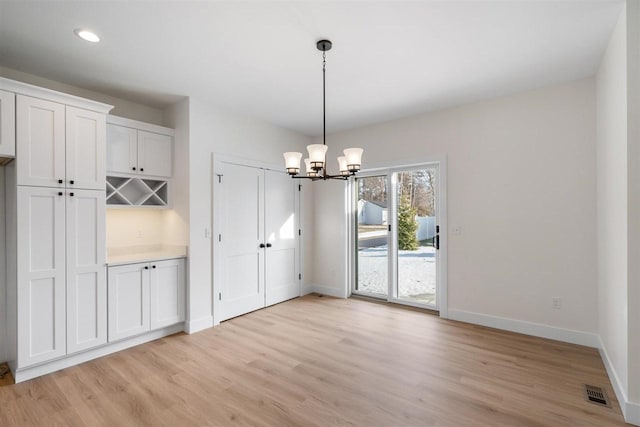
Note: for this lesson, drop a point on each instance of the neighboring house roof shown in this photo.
(379, 204)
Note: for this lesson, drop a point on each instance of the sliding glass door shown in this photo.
(396, 231)
(372, 236)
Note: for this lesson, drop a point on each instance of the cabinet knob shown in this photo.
(146, 267)
(60, 181)
(59, 193)
(71, 182)
(71, 194)
(141, 169)
(153, 266)
(134, 168)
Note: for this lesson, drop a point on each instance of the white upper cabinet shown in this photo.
(155, 154)
(136, 148)
(59, 146)
(86, 149)
(40, 143)
(7, 124)
(122, 149)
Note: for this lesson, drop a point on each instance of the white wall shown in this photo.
(521, 184)
(633, 150)
(3, 270)
(214, 131)
(121, 107)
(134, 227)
(612, 200)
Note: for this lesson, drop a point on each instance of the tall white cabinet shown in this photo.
(56, 256)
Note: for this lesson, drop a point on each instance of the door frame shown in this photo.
(389, 168)
(217, 159)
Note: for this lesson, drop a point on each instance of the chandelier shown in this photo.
(315, 164)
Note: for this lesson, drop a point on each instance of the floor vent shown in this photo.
(596, 395)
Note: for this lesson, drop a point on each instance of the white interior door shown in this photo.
(41, 275)
(281, 226)
(241, 220)
(86, 149)
(86, 270)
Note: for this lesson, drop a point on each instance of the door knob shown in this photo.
(268, 245)
(262, 246)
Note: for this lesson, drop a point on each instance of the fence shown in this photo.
(426, 227)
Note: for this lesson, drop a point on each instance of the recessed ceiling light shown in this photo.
(87, 35)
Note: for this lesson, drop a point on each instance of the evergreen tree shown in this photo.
(407, 226)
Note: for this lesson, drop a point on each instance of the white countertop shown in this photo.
(137, 254)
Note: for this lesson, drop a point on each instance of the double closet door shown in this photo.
(258, 238)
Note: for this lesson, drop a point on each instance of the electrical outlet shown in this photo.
(456, 230)
(556, 303)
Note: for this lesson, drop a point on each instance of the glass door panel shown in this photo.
(416, 216)
(372, 236)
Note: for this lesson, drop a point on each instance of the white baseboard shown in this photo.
(306, 289)
(31, 372)
(196, 325)
(632, 414)
(630, 410)
(527, 328)
(325, 290)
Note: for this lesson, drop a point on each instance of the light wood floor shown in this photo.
(325, 362)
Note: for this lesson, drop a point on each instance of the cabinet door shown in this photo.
(7, 124)
(41, 275)
(40, 142)
(122, 149)
(86, 270)
(155, 153)
(167, 293)
(86, 150)
(128, 288)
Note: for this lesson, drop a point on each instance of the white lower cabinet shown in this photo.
(144, 297)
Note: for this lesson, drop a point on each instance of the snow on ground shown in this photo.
(416, 272)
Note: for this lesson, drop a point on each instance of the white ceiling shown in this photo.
(390, 59)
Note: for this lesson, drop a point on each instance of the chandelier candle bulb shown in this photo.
(292, 162)
(317, 153)
(310, 172)
(354, 158)
(342, 165)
